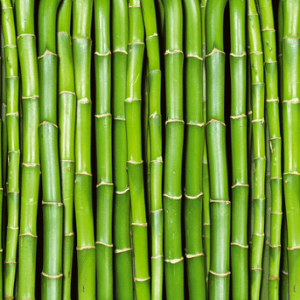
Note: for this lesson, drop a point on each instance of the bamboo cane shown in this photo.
(134, 145)
(291, 132)
(48, 134)
(82, 19)
(104, 250)
(174, 265)
(12, 117)
(156, 162)
(219, 202)
(240, 188)
(31, 163)
(122, 256)
(67, 110)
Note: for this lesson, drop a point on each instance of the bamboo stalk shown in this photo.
(134, 146)
(12, 117)
(291, 133)
(156, 162)
(194, 152)
(240, 188)
(82, 44)
(48, 134)
(219, 202)
(122, 256)
(104, 250)
(26, 43)
(172, 194)
(67, 110)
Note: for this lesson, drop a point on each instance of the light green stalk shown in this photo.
(174, 265)
(133, 105)
(156, 161)
(12, 117)
(219, 204)
(82, 46)
(122, 257)
(66, 123)
(26, 42)
(105, 189)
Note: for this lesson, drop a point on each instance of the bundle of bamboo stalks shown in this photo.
(187, 210)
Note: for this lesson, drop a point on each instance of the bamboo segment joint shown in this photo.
(238, 117)
(213, 120)
(120, 51)
(238, 55)
(12, 228)
(292, 101)
(28, 234)
(10, 262)
(173, 52)
(122, 192)
(83, 173)
(173, 197)
(250, 112)
(257, 52)
(219, 274)
(141, 279)
(46, 122)
(10, 46)
(154, 115)
(47, 52)
(258, 120)
(194, 255)
(151, 36)
(262, 199)
(31, 97)
(285, 273)
(52, 276)
(275, 246)
(85, 248)
(155, 211)
(25, 34)
(52, 203)
(194, 56)
(70, 161)
(174, 261)
(240, 184)
(268, 29)
(292, 173)
(139, 224)
(6, 7)
(30, 165)
(84, 101)
(120, 119)
(215, 50)
(258, 234)
(103, 54)
(173, 121)
(135, 162)
(156, 257)
(273, 278)
(256, 269)
(293, 248)
(158, 160)
(104, 183)
(122, 250)
(64, 32)
(132, 100)
(69, 234)
(193, 197)
(274, 178)
(66, 92)
(237, 244)
(104, 244)
(276, 213)
(103, 115)
(220, 201)
(196, 124)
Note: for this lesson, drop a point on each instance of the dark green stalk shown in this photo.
(82, 45)
(12, 117)
(156, 161)
(122, 257)
(105, 189)
(133, 105)
(67, 110)
(31, 161)
(216, 142)
(240, 188)
(174, 265)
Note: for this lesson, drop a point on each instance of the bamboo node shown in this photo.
(64, 32)
(9, 77)
(276, 213)
(1, 250)
(46, 122)
(196, 124)
(141, 279)
(173, 52)
(122, 250)
(6, 7)
(30, 165)
(154, 115)
(65, 160)
(258, 83)
(155, 211)
(151, 36)
(220, 201)
(156, 257)
(219, 274)
(249, 15)
(69, 234)
(83, 173)
(194, 255)
(275, 138)
(66, 92)
(8, 297)
(133, 6)
(206, 224)
(156, 70)
(122, 192)
(135, 162)
(18, 151)
(292, 101)
(193, 197)
(213, 120)
(250, 112)
(47, 52)
(10, 46)
(174, 261)
(120, 119)
(10, 262)
(256, 269)
(268, 29)
(28, 234)
(132, 100)
(293, 248)
(238, 117)
(159, 160)
(279, 54)
(273, 278)
(104, 183)
(52, 203)
(84, 101)
(271, 62)
(291, 173)
(25, 34)
(173, 197)
(85, 248)
(82, 38)
(258, 120)
(139, 224)
(215, 50)
(103, 54)
(238, 55)
(275, 246)
(256, 52)
(4, 105)
(173, 121)
(237, 244)
(240, 184)
(52, 276)
(136, 43)
(12, 192)
(258, 234)
(194, 56)
(285, 273)
(120, 51)
(103, 115)
(104, 244)
(31, 97)
(262, 199)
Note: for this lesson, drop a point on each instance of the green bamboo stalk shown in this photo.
(134, 144)
(67, 110)
(194, 152)
(156, 161)
(31, 162)
(240, 188)
(82, 44)
(272, 103)
(48, 134)
(104, 250)
(122, 243)
(174, 265)
(160, 16)
(12, 117)
(291, 133)
(205, 176)
(219, 203)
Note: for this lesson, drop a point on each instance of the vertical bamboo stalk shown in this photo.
(26, 42)
(82, 44)
(122, 256)
(66, 122)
